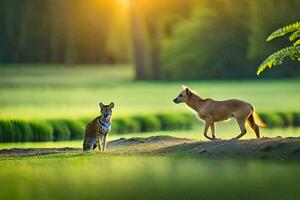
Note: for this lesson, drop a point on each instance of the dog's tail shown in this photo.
(254, 116)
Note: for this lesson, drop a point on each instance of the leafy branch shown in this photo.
(292, 52)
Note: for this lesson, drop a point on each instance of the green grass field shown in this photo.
(96, 176)
(74, 92)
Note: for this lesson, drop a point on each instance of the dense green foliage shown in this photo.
(218, 41)
(211, 44)
(60, 130)
(292, 52)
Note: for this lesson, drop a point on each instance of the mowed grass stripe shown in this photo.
(141, 97)
(57, 91)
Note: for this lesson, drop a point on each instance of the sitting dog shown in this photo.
(212, 111)
(97, 130)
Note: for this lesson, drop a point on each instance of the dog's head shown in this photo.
(183, 95)
(106, 110)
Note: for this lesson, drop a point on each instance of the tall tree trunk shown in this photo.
(71, 48)
(154, 37)
(137, 39)
(54, 31)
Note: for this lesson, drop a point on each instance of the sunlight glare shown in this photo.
(123, 2)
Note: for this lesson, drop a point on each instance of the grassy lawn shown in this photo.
(74, 92)
(96, 176)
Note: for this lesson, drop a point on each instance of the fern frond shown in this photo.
(293, 52)
(295, 35)
(284, 30)
(297, 42)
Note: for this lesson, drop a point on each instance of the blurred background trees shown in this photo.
(165, 39)
(59, 31)
(212, 43)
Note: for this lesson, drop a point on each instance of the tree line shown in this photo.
(165, 39)
(61, 31)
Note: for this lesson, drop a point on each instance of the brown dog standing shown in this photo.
(97, 130)
(212, 111)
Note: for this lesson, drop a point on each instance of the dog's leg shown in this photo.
(86, 145)
(213, 131)
(256, 130)
(95, 146)
(206, 126)
(99, 143)
(253, 125)
(241, 123)
(104, 143)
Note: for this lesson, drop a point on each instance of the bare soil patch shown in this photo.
(266, 148)
(35, 151)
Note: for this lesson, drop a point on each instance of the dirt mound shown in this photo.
(144, 145)
(35, 151)
(265, 148)
(148, 140)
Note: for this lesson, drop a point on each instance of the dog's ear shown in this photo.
(101, 105)
(188, 91)
(111, 105)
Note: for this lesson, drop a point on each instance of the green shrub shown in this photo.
(174, 121)
(6, 130)
(22, 131)
(26, 132)
(67, 129)
(61, 131)
(272, 119)
(9, 131)
(296, 119)
(287, 118)
(41, 131)
(15, 131)
(125, 125)
(2, 130)
(76, 128)
(148, 123)
(190, 120)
